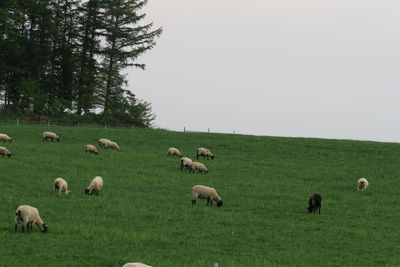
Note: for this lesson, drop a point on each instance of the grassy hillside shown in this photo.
(144, 212)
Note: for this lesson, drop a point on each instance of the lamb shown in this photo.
(314, 203)
(28, 215)
(5, 138)
(135, 264)
(201, 191)
(362, 184)
(185, 163)
(95, 186)
(108, 144)
(61, 185)
(91, 149)
(50, 135)
(5, 152)
(172, 151)
(197, 166)
(205, 152)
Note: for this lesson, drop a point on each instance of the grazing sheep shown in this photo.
(135, 264)
(314, 203)
(197, 166)
(95, 186)
(91, 149)
(5, 138)
(205, 152)
(172, 151)
(50, 135)
(362, 184)
(185, 163)
(202, 192)
(61, 185)
(108, 144)
(5, 152)
(28, 215)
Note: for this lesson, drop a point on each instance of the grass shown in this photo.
(144, 212)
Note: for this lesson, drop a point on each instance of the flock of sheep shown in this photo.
(27, 215)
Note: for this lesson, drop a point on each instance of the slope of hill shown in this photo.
(144, 212)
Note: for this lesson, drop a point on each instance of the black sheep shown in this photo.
(314, 203)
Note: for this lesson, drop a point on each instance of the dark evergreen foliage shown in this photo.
(63, 57)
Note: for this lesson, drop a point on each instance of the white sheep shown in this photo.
(197, 166)
(28, 215)
(61, 185)
(185, 163)
(5, 152)
(205, 152)
(95, 186)
(205, 192)
(108, 144)
(50, 135)
(172, 151)
(5, 138)
(135, 264)
(362, 184)
(91, 149)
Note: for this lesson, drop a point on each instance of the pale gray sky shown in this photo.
(306, 68)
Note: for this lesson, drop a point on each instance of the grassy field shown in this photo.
(144, 212)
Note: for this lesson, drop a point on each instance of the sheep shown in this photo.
(50, 135)
(5, 152)
(95, 186)
(185, 163)
(135, 264)
(29, 215)
(172, 151)
(362, 184)
(61, 185)
(197, 166)
(314, 203)
(108, 144)
(5, 138)
(201, 191)
(205, 152)
(91, 149)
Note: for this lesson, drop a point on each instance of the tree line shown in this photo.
(67, 57)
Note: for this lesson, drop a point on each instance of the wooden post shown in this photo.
(17, 122)
(48, 122)
(184, 129)
(208, 129)
(105, 125)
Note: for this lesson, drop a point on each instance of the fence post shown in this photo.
(78, 123)
(48, 122)
(105, 125)
(208, 129)
(214, 264)
(234, 132)
(17, 122)
(184, 129)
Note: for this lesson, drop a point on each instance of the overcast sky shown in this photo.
(306, 68)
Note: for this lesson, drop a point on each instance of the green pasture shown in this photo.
(144, 211)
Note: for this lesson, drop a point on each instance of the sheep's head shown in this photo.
(310, 209)
(10, 140)
(58, 139)
(9, 154)
(87, 192)
(43, 228)
(219, 203)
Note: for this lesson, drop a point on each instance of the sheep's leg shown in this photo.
(16, 227)
(25, 227)
(319, 209)
(193, 202)
(208, 201)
